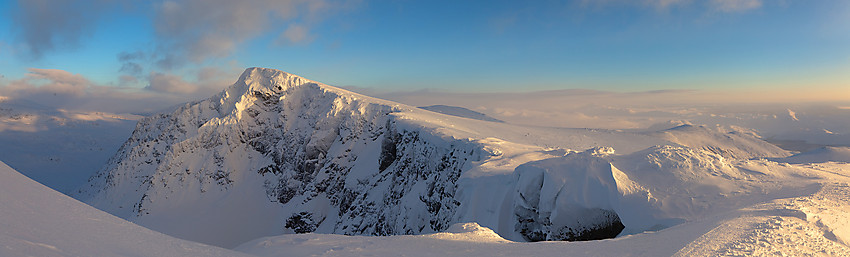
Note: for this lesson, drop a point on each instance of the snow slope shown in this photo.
(276, 153)
(38, 221)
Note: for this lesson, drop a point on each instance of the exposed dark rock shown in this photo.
(301, 223)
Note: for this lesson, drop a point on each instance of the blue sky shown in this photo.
(179, 47)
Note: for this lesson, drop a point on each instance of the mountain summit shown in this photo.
(276, 153)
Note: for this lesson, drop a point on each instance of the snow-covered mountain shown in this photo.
(276, 153)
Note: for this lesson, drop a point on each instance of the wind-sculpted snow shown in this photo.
(276, 153)
(572, 198)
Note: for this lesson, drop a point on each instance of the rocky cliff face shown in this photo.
(326, 159)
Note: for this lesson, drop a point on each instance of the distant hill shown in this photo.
(820, 155)
(460, 112)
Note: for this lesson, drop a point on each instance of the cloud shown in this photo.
(732, 6)
(48, 87)
(665, 4)
(295, 34)
(197, 30)
(577, 108)
(219, 75)
(132, 68)
(660, 5)
(49, 25)
(168, 83)
(725, 6)
(65, 90)
(127, 80)
(185, 31)
(206, 81)
(52, 81)
(131, 62)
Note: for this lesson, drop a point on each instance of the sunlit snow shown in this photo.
(278, 165)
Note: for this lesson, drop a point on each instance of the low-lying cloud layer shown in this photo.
(64, 90)
(581, 108)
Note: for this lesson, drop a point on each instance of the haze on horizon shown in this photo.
(130, 55)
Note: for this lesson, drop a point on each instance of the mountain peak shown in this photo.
(265, 72)
(262, 79)
(265, 82)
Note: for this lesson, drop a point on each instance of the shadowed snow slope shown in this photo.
(823, 154)
(460, 112)
(38, 221)
(277, 154)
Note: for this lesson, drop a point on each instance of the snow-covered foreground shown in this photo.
(38, 221)
(809, 217)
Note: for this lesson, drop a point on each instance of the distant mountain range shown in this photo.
(460, 112)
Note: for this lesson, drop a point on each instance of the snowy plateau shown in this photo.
(278, 165)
